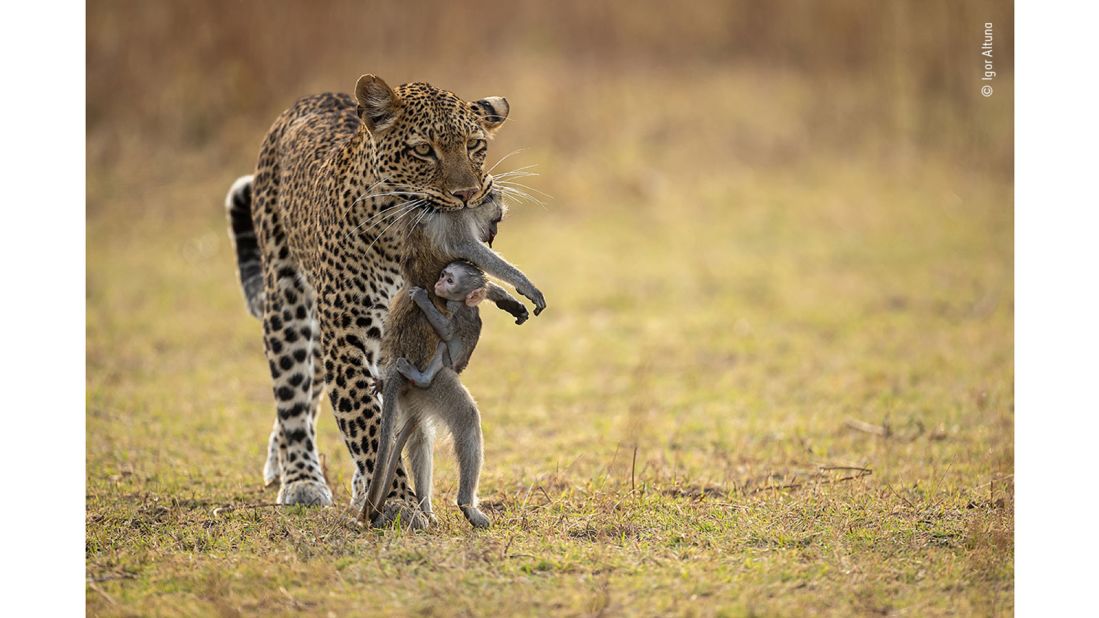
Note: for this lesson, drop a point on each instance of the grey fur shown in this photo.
(415, 335)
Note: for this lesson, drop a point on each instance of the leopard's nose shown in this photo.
(465, 194)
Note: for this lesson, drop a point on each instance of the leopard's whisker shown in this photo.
(509, 187)
(382, 233)
(382, 214)
(395, 188)
(397, 210)
(385, 211)
(396, 192)
(400, 209)
(524, 167)
(519, 184)
(504, 158)
(412, 227)
(374, 185)
(513, 176)
(515, 198)
(518, 169)
(521, 195)
(515, 173)
(377, 183)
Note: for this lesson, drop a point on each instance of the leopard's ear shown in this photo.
(492, 111)
(379, 106)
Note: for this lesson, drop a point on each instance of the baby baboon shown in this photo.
(463, 286)
(412, 335)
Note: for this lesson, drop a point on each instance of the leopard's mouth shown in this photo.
(490, 194)
(435, 204)
(485, 198)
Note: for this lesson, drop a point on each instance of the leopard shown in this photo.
(319, 230)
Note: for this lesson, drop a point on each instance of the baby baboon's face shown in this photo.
(453, 284)
(458, 283)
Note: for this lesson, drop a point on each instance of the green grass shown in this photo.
(656, 442)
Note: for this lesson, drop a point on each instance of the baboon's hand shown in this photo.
(416, 292)
(515, 308)
(535, 296)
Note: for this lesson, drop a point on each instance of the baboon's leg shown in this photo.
(351, 321)
(458, 410)
(423, 378)
(376, 489)
(420, 450)
(384, 476)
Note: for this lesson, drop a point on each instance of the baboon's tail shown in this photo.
(238, 207)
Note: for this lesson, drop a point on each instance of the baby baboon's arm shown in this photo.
(495, 265)
(507, 302)
(423, 378)
(438, 321)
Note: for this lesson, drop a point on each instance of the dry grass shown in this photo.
(764, 280)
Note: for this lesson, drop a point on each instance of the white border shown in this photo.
(42, 241)
(1057, 308)
(42, 49)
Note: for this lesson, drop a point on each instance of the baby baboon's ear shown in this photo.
(379, 106)
(475, 297)
(493, 111)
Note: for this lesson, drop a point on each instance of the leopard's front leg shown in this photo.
(351, 328)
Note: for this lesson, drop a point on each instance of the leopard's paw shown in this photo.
(308, 493)
(402, 513)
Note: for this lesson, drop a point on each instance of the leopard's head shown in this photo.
(430, 144)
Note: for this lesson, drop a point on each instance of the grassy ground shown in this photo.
(775, 378)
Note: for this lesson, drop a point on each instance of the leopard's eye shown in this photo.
(423, 149)
(475, 145)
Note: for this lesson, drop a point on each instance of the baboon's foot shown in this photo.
(405, 366)
(475, 516)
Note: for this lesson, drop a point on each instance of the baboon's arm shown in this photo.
(495, 265)
(507, 302)
(438, 321)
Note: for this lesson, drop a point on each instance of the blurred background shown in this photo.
(673, 95)
(775, 233)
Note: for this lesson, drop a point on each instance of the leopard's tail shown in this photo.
(242, 231)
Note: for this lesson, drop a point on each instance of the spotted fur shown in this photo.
(339, 182)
